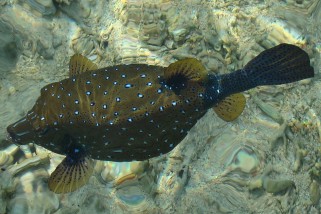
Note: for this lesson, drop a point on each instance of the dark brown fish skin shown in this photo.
(117, 131)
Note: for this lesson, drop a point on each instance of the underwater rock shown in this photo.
(39, 7)
(245, 160)
(280, 32)
(276, 186)
(18, 181)
(8, 49)
(135, 195)
(269, 110)
(78, 10)
(83, 45)
(7, 156)
(32, 194)
(314, 192)
(5, 159)
(28, 38)
(40, 202)
(119, 172)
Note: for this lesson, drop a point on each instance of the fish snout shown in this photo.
(11, 134)
(20, 132)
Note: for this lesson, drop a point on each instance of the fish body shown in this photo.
(119, 113)
(136, 112)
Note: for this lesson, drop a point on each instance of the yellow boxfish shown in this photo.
(138, 111)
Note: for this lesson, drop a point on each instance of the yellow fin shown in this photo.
(190, 68)
(230, 107)
(70, 175)
(79, 64)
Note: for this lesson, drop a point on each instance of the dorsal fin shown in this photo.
(190, 69)
(230, 107)
(79, 64)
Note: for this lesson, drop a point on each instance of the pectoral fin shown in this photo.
(230, 107)
(71, 175)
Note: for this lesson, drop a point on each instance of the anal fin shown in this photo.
(230, 107)
(70, 175)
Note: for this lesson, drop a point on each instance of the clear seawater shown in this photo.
(266, 161)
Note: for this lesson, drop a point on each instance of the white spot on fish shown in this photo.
(128, 85)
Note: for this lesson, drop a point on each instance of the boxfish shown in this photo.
(138, 111)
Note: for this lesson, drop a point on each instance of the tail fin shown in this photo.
(279, 65)
(282, 64)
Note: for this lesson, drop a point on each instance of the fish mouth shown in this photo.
(20, 132)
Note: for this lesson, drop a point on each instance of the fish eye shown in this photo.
(41, 132)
